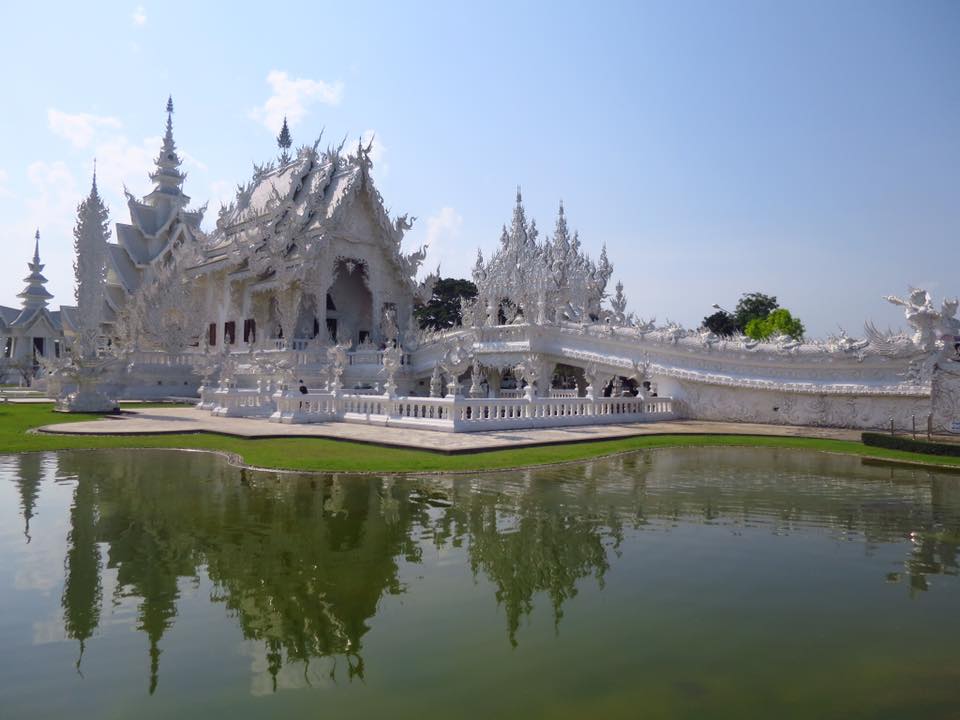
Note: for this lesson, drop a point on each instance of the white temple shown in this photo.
(299, 306)
(32, 332)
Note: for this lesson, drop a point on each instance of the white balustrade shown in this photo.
(372, 357)
(240, 402)
(468, 414)
(146, 357)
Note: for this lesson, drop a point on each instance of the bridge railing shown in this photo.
(463, 414)
(238, 402)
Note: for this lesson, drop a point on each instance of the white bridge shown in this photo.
(446, 414)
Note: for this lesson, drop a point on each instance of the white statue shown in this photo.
(922, 316)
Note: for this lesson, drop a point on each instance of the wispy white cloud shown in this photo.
(122, 162)
(139, 16)
(221, 192)
(49, 191)
(443, 230)
(49, 204)
(291, 97)
(79, 128)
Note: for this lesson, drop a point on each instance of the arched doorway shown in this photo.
(350, 294)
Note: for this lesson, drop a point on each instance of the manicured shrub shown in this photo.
(908, 444)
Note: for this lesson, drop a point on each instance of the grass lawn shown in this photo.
(337, 456)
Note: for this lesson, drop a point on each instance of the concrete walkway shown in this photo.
(152, 421)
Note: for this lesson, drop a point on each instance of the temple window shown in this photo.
(212, 337)
(250, 330)
(229, 332)
(8, 347)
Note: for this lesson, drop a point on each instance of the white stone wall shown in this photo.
(737, 404)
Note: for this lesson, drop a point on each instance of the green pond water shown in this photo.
(684, 583)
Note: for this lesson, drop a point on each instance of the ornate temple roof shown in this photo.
(158, 222)
(286, 206)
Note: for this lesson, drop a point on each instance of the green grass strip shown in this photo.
(320, 454)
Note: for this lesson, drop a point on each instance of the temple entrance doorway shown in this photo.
(350, 295)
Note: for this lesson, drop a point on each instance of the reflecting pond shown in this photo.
(683, 583)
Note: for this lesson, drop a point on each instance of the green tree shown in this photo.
(721, 323)
(778, 322)
(753, 306)
(284, 142)
(443, 310)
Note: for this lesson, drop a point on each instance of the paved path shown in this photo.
(149, 421)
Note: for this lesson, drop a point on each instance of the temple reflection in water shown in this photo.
(302, 563)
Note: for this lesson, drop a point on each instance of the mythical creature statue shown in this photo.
(392, 360)
(949, 323)
(424, 291)
(846, 344)
(404, 222)
(644, 327)
(922, 316)
(786, 344)
(708, 339)
(671, 333)
(435, 381)
(888, 344)
(388, 323)
(337, 355)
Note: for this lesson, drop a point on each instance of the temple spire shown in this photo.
(35, 294)
(167, 176)
(90, 237)
(561, 234)
(519, 230)
(284, 142)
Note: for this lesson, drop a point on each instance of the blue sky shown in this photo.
(810, 150)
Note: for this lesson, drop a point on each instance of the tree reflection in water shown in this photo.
(302, 562)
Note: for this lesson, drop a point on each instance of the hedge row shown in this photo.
(899, 442)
